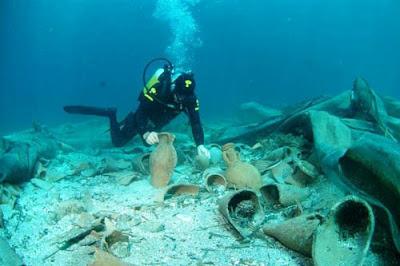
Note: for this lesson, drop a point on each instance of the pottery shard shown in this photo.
(181, 189)
(115, 237)
(124, 178)
(102, 258)
(284, 195)
(111, 165)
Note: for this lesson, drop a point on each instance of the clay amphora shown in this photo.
(215, 153)
(215, 181)
(242, 210)
(201, 162)
(181, 189)
(163, 160)
(282, 195)
(239, 174)
(296, 233)
(345, 237)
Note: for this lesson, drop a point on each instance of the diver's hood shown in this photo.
(184, 83)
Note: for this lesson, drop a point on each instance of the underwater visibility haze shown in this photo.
(276, 52)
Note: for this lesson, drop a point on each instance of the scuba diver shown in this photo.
(163, 98)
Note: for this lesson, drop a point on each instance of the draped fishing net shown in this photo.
(355, 138)
(361, 163)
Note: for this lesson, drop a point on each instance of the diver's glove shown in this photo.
(151, 138)
(203, 151)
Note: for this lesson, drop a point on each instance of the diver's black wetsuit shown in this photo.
(155, 111)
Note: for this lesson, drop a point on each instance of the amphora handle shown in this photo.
(229, 154)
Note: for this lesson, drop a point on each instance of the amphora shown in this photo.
(239, 174)
(345, 237)
(163, 160)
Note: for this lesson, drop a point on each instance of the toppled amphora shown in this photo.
(344, 238)
(215, 181)
(181, 189)
(239, 174)
(242, 210)
(282, 194)
(163, 160)
(296, 233)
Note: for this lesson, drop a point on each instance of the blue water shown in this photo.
(277, 52)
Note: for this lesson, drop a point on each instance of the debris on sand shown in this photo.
(80, 201)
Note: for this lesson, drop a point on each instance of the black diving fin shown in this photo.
(90, 110)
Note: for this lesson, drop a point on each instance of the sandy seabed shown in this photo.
(90, 206)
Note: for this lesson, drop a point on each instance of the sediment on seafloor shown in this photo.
(80, 201)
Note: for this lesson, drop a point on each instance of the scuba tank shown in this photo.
(162, 76)
(154, 79)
